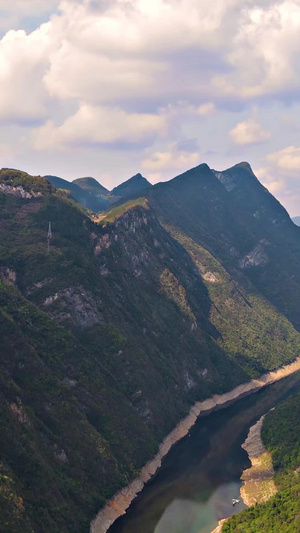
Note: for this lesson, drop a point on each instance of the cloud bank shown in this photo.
(147, 78)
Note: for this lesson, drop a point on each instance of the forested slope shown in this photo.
(110, 332)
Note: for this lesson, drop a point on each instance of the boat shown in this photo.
(234, 501)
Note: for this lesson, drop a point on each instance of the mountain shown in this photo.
(296, 221)
(91, 185)
(241, 224)
(112, 331)
(82, 195)
(134, 185)
(92, 195)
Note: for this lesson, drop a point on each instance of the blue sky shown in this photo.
(111, 88)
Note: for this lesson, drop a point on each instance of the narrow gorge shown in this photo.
(120, 502)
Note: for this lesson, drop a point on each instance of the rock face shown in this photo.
(73, 307)
(258, 486)
(18, 191)
(257, 256)
(117, 328)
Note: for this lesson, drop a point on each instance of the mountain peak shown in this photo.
(242, 183)
(242, 165)
(131, 186)
(235, 176)
(83, 195)
(90, 184)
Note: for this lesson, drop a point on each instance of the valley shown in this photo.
(174, 294)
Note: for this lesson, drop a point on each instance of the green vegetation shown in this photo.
(281, 435)
(250, 329)
(119, 210)
(172, 288)
(16, 178)
(79, 402)
(110, 336)
(61, 421)
(85, 197)
(233, 225)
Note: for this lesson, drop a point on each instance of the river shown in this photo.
(200, 475)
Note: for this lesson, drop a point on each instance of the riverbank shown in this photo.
(258, 480)
(220, 525)
(121, 501)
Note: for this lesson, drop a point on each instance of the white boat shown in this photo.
(234, 501)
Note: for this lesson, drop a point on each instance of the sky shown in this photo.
(109, 88)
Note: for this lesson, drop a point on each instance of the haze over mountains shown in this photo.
(114, 329)
(296, 220)
(92, 195)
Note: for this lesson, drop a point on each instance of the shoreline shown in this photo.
(258, 484)
(118, 504)
(220, 525)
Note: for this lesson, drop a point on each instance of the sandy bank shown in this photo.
(218, 529)
(258, 481)
(121, 501)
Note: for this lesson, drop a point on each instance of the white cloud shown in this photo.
(287, 159)
(143, 54)
(92, 125)
(206, 109)
(124, 73)
(169, 162)
(23, 60)
(265, 50)
(28, 7)
(269, 180)
(249, 132)
(132, 50)
(281, 177)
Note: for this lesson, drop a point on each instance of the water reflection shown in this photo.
(192, 517)
(201, 474)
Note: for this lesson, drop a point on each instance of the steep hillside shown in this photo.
(241, 224)
(111, 333)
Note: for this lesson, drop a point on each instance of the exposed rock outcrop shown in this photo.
(257, 256)
(8, 275)
(19, 191)
(258, 481)
(74, 306)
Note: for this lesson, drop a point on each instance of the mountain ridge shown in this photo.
(133, 185)
(91, 184)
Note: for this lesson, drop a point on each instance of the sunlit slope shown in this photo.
(241, 224)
